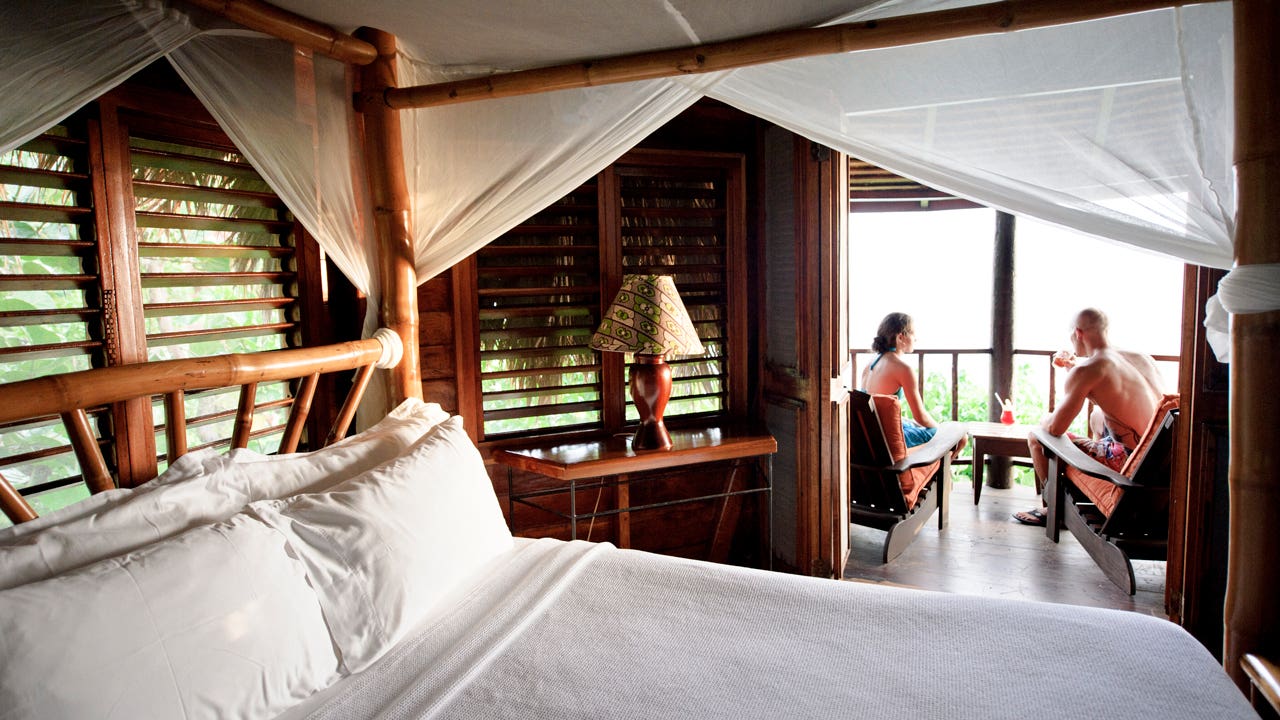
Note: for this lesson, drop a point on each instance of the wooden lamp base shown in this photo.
(650, 389)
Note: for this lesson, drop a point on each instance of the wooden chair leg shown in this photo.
(943, 482)
(1056, 497)
(904, 531)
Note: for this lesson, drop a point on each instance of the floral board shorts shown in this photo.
(1106, 450)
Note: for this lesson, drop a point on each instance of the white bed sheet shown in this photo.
(583, 630)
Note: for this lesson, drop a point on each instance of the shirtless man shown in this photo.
(1124, 386)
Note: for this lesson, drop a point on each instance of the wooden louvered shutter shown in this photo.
(50, 307)
(874, 189)
(680, 216)
(539, 300)
(542, 286)
(217, 261)
(140, 192)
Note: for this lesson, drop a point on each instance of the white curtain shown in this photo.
(57, 56)
(475, 170)
(291, 115)
(1117, 127)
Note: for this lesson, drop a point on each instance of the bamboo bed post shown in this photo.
(1253, 577)
(393, 227)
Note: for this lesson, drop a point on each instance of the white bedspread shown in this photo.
(579, 630)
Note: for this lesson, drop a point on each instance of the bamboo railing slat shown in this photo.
(244, 416)
(175, 424)
(92, 465)
(348, 411)
(13, 504)
(298, 414)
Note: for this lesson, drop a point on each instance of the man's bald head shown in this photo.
(1092, 320)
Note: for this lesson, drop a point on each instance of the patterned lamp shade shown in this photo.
(647, 317)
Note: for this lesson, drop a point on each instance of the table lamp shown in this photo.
(648, 319)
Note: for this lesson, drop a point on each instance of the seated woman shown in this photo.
(888, 374)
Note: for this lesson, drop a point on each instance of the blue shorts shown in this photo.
(916, 434)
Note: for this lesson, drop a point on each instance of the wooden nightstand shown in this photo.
(611, 463)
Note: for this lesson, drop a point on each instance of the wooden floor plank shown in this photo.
(983, 551)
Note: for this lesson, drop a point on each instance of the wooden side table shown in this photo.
(610, 463)
(991, 438)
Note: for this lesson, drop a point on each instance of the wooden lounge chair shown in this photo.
(890, 488)
(1116, 516)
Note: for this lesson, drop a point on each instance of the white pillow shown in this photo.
(194, 464)
(209, 487)
(89, 505)
(382, 548)
(215, 622)
(277, 476)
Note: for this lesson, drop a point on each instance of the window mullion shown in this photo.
(613, 369)
(124, 331)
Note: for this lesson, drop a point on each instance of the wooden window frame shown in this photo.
(613, 368)
(120, 309)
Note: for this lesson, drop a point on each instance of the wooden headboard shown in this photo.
(72, 395)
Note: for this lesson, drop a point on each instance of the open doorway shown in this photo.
(934, 258)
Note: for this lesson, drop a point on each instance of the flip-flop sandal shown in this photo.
(1031, 517)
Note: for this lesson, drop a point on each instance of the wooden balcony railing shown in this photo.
(955, 354)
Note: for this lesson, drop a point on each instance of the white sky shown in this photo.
(937, 267)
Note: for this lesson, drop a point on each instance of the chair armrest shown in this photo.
(1265, 678)
(944, 441)
(1067, 451)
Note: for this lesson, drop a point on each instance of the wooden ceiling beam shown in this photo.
(293, 28)
(1005, 16)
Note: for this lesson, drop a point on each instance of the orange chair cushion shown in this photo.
(1104, 494)
(913, 480)
(889, 412)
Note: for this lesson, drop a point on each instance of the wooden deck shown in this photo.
(985, 552)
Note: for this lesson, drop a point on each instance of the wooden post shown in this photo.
(393, 227)
(1253, 577)
(1001, 334)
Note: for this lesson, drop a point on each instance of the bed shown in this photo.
(376, 577)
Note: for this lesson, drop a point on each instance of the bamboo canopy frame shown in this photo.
(1005, 16)
(1252, 623)
(291, 27)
